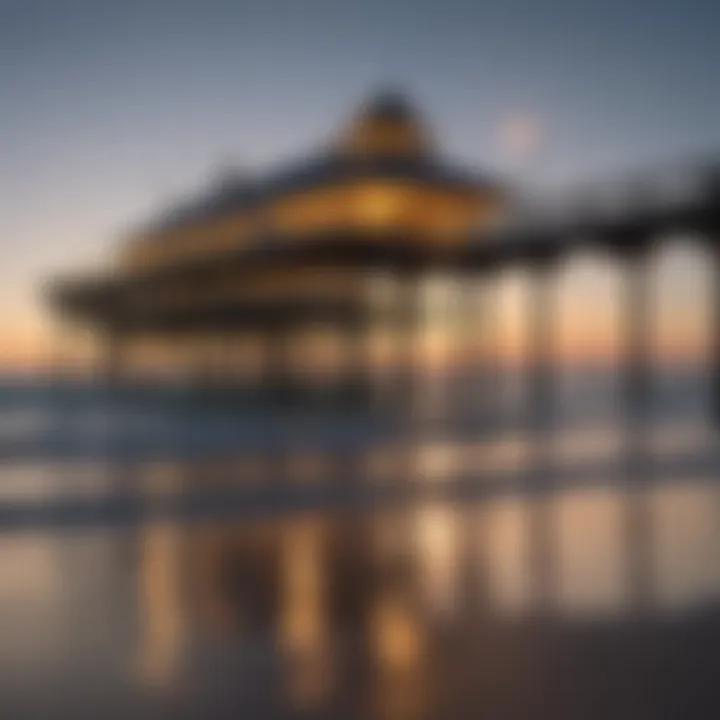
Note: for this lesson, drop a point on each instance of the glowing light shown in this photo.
(521, 135)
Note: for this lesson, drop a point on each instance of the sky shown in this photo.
(109, 111)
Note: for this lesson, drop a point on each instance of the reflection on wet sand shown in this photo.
(303, 635)
(161, 601)
(436, 549)
(394, 613)
(395, 572)
(401, 683)
(442, 549)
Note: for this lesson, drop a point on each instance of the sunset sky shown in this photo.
(109, 111)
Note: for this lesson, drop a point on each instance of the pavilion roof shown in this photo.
(330, 169)
(335, 166)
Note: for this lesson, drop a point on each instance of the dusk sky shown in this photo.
(110, 110)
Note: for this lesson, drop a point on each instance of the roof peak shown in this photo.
(387, 123)
(390, 102)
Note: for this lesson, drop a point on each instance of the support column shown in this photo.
(485, 371)
(493, 377)
(231, 385)
(112, 356)
(275, 380)
(366, 357)
(637, 395)
(111, 367)
(362, 410)
(341, 410)
(486, 421)
(180, 417)
(715, 332)
(61, 374)
(542, 530)
(466, 406)
(478, 390)
(469, 329)
(406, 410)
(405, 328)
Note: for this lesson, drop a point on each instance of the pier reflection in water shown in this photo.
(421, 610)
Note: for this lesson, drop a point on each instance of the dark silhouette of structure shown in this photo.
(313, 246)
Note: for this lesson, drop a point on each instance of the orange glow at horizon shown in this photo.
(579, 340)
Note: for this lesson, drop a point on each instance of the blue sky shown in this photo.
(108, 110)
